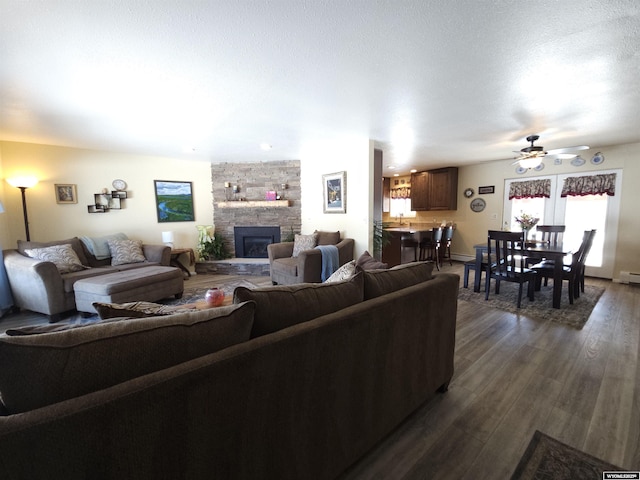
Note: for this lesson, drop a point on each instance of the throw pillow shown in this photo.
(78, 361)
(328, 238)
(367, 262)
(381, 282)
(345, 272)
(282, 306)
(75, 243)
(63, 256)
(304, 242)
(126, 251)
(136, 309)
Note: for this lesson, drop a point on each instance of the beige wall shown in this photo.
(355, 156)
(92, 171)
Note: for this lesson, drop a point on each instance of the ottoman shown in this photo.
(136, 284)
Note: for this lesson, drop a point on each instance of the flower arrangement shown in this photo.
(526, 221)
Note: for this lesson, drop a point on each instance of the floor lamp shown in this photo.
(23, 183)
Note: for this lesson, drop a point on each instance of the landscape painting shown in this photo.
(174, 201)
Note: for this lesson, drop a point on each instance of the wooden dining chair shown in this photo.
(551, 234)
(431, 245)
(506, 262)
(573, 273)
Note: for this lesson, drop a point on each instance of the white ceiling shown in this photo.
(433, 82)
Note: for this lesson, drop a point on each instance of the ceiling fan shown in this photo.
(531, 156)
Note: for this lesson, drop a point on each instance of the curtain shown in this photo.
(530, 189)
(589, 185)
(402, 192)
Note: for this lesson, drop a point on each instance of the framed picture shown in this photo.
(66, 193)
(485, 190)
(174, 201)
(334, 187)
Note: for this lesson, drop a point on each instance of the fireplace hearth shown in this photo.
(251, 242)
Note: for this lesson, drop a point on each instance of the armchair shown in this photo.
(307, 266)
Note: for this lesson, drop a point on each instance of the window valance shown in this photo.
(530, 189)
(401, 192)
(589, 185)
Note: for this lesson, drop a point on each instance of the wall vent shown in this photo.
(634, 278)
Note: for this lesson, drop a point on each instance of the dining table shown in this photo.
(556, 252)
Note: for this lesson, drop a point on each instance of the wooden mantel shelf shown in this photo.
(254, 204)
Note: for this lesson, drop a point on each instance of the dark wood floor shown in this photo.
(513, 375)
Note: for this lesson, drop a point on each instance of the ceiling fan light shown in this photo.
(531, 162)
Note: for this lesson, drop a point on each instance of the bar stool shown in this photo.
(432, 244)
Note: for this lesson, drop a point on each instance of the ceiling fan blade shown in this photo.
(567, 149)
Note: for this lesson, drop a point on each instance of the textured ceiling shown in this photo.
(433, 82)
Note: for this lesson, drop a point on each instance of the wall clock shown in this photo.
(119, 184)
(469, 192)
(597, 159)
(478, 205)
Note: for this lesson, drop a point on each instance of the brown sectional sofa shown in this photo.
(294, 400)
(39, 286)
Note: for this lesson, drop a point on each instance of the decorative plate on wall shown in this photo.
(597, 159)
(469, 192)
(478, 205)
(520, 169)
(578, 161)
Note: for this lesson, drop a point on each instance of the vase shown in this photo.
(214, 297)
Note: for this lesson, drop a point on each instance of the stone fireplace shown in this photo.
(252, 241)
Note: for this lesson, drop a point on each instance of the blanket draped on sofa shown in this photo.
(330, 260)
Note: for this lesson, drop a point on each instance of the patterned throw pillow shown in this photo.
(63, 256)
(304, 242)
(126, 251)
(136, 309)
(345, 272)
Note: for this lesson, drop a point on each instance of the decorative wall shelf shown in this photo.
(254, 204)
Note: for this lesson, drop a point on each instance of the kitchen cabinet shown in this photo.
(435, 190)
(420, 191)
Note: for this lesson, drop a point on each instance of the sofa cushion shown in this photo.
(345, 272)
(75, 243)
(126, 251)
(62, 256)
(381, 282)
(52, 367)
(281, 306)
(367, 262)
(304, 242)
(328, 238)
(136, 309)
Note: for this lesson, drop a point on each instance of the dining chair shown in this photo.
(447, 235)
(551, 234)
(506, 262)
(431, 244)
(572, 273)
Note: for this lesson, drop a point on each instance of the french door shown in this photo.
(578, 213)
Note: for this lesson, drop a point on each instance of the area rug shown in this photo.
(549, 459)
(575, 315)
(195, 294)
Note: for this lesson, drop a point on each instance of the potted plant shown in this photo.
(381, 238)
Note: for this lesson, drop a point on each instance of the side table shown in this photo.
(175, 258)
